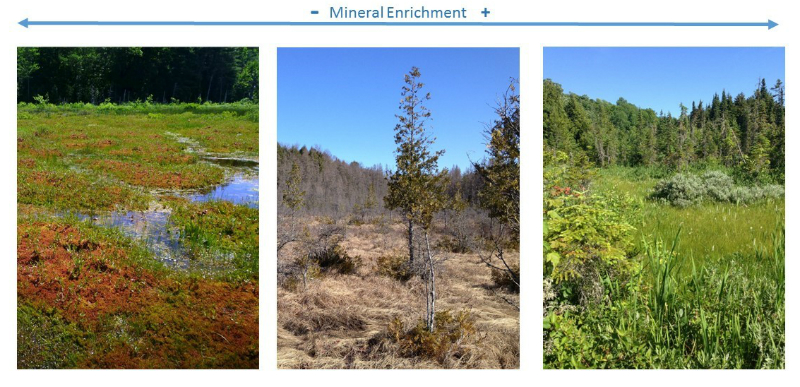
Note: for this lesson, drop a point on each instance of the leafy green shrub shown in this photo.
(562, 170)
(583, 235)
(395, 266)
(586, 237)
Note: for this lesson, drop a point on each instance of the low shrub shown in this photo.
(445, 342)
(503, 279)
(683, 190)
(326, 220)
(302, 270)
(395, 266)
(718, 185)
(680, 190)
(754, 194)
(355, 221)
(336, 259)
(455, 244)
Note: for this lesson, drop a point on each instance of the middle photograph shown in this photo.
(398, 208)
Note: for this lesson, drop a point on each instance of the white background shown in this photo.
(530, 40)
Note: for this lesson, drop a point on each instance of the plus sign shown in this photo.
(485, 12)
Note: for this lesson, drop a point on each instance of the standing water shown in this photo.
(155, 229)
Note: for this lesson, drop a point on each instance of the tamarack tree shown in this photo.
(417, 187)
(499, 194)
(294, 200)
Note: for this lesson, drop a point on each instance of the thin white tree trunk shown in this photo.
(430, 287)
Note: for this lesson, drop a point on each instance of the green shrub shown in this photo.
(583, 234)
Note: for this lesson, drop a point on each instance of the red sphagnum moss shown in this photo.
(176, 322)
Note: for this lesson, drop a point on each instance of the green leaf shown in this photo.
(554, 258)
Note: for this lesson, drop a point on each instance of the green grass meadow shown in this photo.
(707, 231)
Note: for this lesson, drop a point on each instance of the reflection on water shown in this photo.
(154, 228)
(232, 162)
(241, 189)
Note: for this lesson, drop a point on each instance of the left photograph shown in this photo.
(137, 207)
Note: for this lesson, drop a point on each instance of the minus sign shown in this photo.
(314, 12)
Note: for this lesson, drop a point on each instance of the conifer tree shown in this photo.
(500, 173)
(417, 187)
(501, 177)
(556, 123)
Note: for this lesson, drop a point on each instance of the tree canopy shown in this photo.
(122, 74)
(745, 133)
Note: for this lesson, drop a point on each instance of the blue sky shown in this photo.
(662, 78)
(345, 99)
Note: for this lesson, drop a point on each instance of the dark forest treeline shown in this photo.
(337, 188)
(739, 132)
(123, 74)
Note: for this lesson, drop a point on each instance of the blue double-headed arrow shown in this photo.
(27, 23)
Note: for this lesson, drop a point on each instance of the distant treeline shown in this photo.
(125, 74)
(740, 132)
(336, 188)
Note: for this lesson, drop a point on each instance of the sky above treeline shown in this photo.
(661, 78)
(345, 99)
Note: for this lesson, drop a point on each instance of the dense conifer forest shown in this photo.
(118, 75)
(735, 131)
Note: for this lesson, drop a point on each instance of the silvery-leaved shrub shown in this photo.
(680, 190)
(746, 195)
(683, 190)
(718, 185)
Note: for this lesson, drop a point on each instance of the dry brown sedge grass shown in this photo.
(330, 324)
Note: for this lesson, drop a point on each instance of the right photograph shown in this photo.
(664, 209)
